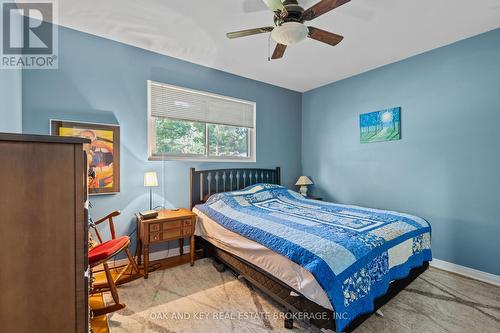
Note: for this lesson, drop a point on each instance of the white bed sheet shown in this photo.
(273, 263)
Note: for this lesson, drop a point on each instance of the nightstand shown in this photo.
(167, 226)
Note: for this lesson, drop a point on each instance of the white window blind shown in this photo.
(185, 104)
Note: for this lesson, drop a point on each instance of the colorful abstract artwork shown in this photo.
(103, 153)
(380, 126)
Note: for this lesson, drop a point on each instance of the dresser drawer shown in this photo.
(171, 225)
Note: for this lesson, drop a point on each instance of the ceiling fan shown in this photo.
(289, 27)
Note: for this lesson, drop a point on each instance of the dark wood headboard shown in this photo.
(204, 183)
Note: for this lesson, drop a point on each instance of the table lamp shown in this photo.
(150, 180)
(303, 181)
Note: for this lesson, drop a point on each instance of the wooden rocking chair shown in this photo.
(101, 254)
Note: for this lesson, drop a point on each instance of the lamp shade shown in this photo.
(150, 179)
(303, 181)
(289, 33)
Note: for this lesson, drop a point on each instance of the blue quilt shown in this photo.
(353, 252)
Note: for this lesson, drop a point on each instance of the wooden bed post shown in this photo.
(278, 176)
(191, 175)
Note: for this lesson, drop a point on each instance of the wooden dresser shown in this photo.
(43, 233)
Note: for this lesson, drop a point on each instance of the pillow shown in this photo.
(206, 197)
(259, 186)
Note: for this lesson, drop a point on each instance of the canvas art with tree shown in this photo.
(380, 126)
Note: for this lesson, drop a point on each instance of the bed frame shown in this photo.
(207, 182)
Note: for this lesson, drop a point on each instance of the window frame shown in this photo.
(151, 133)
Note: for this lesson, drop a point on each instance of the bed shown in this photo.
(332, 265)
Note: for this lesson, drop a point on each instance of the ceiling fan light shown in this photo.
(289, 33)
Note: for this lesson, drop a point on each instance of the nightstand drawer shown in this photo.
(172, 234)
(154, 227)
(187, 231)
(171, 225)
(155, 237)
(188, 223)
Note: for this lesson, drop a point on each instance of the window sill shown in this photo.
(194, 159)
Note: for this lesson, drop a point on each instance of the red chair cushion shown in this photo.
(107, 249)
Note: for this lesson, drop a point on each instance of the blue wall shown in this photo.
(11, 97)
(445, 168)
(101, 80)
(11, 100)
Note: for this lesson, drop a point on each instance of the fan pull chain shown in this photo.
(269, 48)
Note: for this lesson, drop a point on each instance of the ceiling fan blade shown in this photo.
(274, 5)
(249, 32)
(321, 7)
(279, 51)
(324, 36)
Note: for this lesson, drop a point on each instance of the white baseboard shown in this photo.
(466, 271)
(157, 255)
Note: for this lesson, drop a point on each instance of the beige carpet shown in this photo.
(199, 299)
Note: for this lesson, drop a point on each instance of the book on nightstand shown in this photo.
(149, 214)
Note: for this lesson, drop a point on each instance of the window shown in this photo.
(194, 125)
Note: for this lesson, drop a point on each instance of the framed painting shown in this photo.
(384, 125)
(103, 153)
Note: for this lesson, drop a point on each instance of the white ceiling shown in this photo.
(377, 32)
